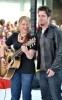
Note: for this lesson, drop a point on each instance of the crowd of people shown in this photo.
(47, 48)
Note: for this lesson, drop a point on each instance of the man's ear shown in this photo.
(49, 17)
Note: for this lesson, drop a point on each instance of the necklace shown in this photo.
(22, 37)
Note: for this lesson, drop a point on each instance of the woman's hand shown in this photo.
(24, 48)
(29, 53)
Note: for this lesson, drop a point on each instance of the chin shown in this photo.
(25, 32)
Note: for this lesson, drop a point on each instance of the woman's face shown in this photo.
(23, 27)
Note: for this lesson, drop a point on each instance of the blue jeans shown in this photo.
(50, 86)
(24, 82)
(60, 75)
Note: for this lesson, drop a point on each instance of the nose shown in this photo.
(25, 26)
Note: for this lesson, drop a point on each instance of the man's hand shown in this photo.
(50, 73)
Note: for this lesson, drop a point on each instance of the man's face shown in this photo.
(43, 19)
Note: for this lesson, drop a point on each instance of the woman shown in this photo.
(3, 82)
(23, 76)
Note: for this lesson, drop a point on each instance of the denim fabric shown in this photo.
(60, 75)
(50, 86)
(24, 82)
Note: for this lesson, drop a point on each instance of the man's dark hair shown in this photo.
(46, 9)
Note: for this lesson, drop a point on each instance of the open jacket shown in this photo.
(52, 44)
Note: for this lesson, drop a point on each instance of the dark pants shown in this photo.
(60, 75)
(50, 86)
(23, 81)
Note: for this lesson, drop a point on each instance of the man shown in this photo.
(49, 55)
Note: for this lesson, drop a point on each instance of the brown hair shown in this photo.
(46, 9)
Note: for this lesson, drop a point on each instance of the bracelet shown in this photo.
(1, 57)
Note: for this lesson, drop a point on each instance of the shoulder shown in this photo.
(15, 34)
(56, 30)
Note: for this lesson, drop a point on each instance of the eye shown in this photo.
(38, 15)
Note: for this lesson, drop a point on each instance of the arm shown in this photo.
(29, 53)
(3, 62)
(29, 50)
(3, 47)
(57, 64)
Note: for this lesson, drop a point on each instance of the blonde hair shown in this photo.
(27, 19)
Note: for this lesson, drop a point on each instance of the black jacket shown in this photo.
(52, 48)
